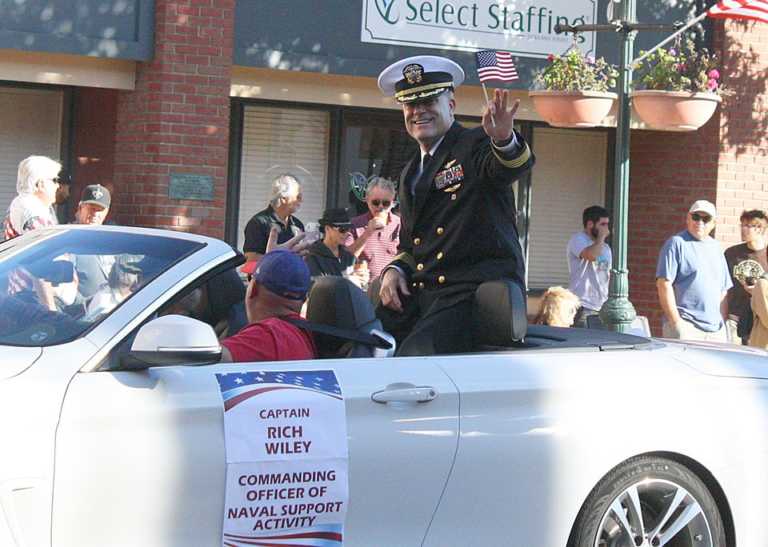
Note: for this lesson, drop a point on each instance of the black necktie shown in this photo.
(425, 161)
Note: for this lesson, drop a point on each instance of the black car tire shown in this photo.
(641, 472)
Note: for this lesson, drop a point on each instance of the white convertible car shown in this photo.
(113, 427)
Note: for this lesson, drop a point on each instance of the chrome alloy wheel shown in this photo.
(654, 513)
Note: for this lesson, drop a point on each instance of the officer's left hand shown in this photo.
(503, 116)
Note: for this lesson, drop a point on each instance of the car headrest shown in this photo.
(500, 313)
(337, 302)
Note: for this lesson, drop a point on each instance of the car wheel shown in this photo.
(649, 502)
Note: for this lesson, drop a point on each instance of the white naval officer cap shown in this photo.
(420, 77)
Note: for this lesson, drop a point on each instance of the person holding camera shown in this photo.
(692, 279)
(747, 261)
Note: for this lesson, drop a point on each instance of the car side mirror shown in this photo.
(172, 340)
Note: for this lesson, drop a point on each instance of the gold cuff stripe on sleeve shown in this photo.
(407, 259)
(419, 89)
(519, 161)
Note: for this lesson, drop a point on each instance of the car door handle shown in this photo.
(405, 394)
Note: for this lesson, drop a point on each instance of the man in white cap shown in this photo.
(457, 206)
(692, 279)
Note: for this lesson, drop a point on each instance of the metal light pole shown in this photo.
(618, 312)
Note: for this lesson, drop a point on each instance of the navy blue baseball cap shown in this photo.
(282, 272)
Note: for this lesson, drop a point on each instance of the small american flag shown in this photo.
(495, 65)
(755, 10)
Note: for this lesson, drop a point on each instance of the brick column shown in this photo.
(725, 162)
(177, 119)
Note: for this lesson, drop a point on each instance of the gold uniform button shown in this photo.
(419, 267)
(421, 285)
(441, 279)
(440, 255)
(440, 230)
(416, 241)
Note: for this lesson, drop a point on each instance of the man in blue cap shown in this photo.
(277, 290)
(457, 207)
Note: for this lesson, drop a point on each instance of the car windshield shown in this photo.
(57, 284)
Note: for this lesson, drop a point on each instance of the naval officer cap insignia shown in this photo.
(419, 78)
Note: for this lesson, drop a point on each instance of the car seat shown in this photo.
(336, 302)
(499, 314)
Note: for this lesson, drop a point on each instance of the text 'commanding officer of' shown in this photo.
(457, 208)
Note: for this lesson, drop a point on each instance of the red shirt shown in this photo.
(271, 340)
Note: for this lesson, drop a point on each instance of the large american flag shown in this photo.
(756, 10)
(495, 65)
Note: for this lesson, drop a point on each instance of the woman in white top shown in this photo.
(124, 278)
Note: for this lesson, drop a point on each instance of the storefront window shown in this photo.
(277, 141)
(373, 144)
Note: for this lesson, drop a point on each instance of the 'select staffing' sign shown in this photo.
(523, 27)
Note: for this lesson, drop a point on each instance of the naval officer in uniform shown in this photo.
(457, 206)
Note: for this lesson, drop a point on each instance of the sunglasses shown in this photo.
(698, 217)
(342, 229)
(383, 202)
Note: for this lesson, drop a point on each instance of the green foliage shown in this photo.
(686, 68)
(572, 71)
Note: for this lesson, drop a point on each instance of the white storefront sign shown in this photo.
(524, 27)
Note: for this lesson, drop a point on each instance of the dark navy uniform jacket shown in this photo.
(460, 228)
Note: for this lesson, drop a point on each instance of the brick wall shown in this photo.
(177, 119)
(725, 162)
(95, 114)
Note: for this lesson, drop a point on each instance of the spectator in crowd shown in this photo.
(36, 186)
(93, 270)
(94, 204)
(284, 203)
(589, 263)
(123, 280)
(758, 337)
(692, 279)
(746, 261)
(457, 207)
(329, 256)
(276, 291)
(558, 308)
(375, 235)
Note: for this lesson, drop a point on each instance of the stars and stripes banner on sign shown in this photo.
(753, 10)
(495, 65)
(239, 387)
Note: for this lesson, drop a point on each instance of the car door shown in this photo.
(140, 456)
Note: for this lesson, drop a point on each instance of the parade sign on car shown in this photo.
(286, 450)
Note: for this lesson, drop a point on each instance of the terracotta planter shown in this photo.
(674, 110)
(572, 108)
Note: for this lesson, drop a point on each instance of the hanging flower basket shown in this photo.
(678, 89)
(674, 110)
(573, 108)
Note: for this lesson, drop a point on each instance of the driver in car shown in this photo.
(277, 290)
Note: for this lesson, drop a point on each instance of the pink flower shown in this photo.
(550, 57)
(713, 74)
(712, 84)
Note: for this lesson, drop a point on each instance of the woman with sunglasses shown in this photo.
(328, 256)
(375, 235)
(36, 185)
